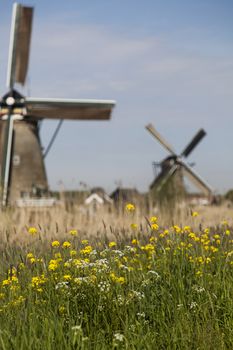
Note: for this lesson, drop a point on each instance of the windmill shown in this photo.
(21, 157)
(173, 168)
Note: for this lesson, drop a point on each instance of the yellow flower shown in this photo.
(153, 219)
(6, 282)
(177, 228)
(130, 207)
(37, 281)
(55, 244)
(73, 232)
(199, 273)
(216, 236)
(84, 241)
(114, 278)
(227, 232)
(21, 266)
(61, 310)
(73, 253)
(154, 227)
(112, 244)
(32, 230)
(134, 226)
(66, 244)
(134, 241)
(53, 265)
(194, 214)
(87, 250)
(67, 277)
(29, 256)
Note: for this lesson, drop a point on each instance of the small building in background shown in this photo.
(97, 199)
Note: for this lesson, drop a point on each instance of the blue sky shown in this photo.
(165, 62)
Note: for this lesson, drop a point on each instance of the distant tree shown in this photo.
(229, 195)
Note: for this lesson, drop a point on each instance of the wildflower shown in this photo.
(112, 244)
(177, 229)
(154, 226)
(53, 265)
(84, 241)
(32, 231)
(38, 281)
(66, 244)
(21, 266)
(214, 249)
(67, 277)
(134, 226)
(87, 250)
(73, 232)
(114, 278)
(150, 248)
(29, 256)
(130, 207)
(199, 273)
(227, 232)
(153, 219)
(61, 310)
(194, 214)
(119, 337)
(224, 223)
(134, 241)
(6, 282)
(58, 256)
(193, 305)
(55, 244)
(73, 253)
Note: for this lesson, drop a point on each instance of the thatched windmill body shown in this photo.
(169, 182)
(21, 157)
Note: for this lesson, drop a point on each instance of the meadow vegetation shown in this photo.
(137, 283)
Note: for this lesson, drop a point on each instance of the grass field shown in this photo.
(135, 283)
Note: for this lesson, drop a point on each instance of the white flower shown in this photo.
(61, 285)
(193, 305)
(119, 337)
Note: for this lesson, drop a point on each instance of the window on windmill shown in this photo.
(16, 160)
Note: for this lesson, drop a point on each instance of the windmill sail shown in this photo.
(6, 165)
(19, 44)
(69, 109)
(197, 180)
(161, 140)
(197, 138)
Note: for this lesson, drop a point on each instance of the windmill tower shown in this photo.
(21, 158)
(169, 182)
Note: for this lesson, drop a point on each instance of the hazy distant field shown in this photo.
(132, 281)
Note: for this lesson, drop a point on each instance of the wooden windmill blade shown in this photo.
(196, 179)
(193, 143)
(161, 140)
(76, 109)
(19, 48)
